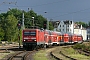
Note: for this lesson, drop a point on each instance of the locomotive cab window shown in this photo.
(30, 33)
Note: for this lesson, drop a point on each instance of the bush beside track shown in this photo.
(68, 54)
(84, 46)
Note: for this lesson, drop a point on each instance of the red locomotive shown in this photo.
(33, 38)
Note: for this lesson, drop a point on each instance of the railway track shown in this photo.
(21, 55)
(57, 58)
(62, 56)
(84, 52)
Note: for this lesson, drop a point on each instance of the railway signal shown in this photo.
(45, 24)
(19, 24)
(19, 27)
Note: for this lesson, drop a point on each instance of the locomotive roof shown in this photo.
(33, 29)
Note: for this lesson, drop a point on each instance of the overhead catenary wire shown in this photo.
(71, 13)
(6, 2)
(44, 4)
(16, 5)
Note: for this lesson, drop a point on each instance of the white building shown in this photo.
(88, 33)
(78, 29)
(65, 27)
(72, 28)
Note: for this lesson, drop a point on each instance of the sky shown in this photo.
(76, 10)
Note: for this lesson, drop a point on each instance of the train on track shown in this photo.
(33, 38)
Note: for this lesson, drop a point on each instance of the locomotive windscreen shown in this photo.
(30, 33)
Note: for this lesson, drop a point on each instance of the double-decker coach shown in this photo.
(66, 37)
(74, 38)
(57, 38)
(54, 36)
(47, 37)
(79, 38)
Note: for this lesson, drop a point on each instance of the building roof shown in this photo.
(67, 22)
(78, 26)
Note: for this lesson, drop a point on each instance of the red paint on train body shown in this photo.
(33, 37)
(37, 37)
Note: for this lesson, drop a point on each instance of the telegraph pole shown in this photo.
(48, 24)
(23, 27)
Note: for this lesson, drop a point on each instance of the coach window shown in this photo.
(33, 33)
(26, 33)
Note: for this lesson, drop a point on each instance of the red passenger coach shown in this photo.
(56, 38)
(47, 37)
(33, 38)
(77, 38)
(80, 38)
(74, 38)
(66, 38)
(59, 37)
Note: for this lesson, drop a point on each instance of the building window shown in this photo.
(63, 29)
(60, 30)
(60, 25)
(63, 25)
(68, 30)
(67, 25)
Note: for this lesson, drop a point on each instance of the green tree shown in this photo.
(16, 12)
(1, 33)
(51, 26)
(11, 27)
(28, 18)
(83, 24)
(9, 20)
(89, 23)
(39, 21)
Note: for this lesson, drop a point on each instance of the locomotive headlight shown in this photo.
(34, 40)
(24, 40)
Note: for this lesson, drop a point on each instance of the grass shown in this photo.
(80, 57)
(74, 54)
(69, 51)
(41, 55)
(2, 55)
(44, 54)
